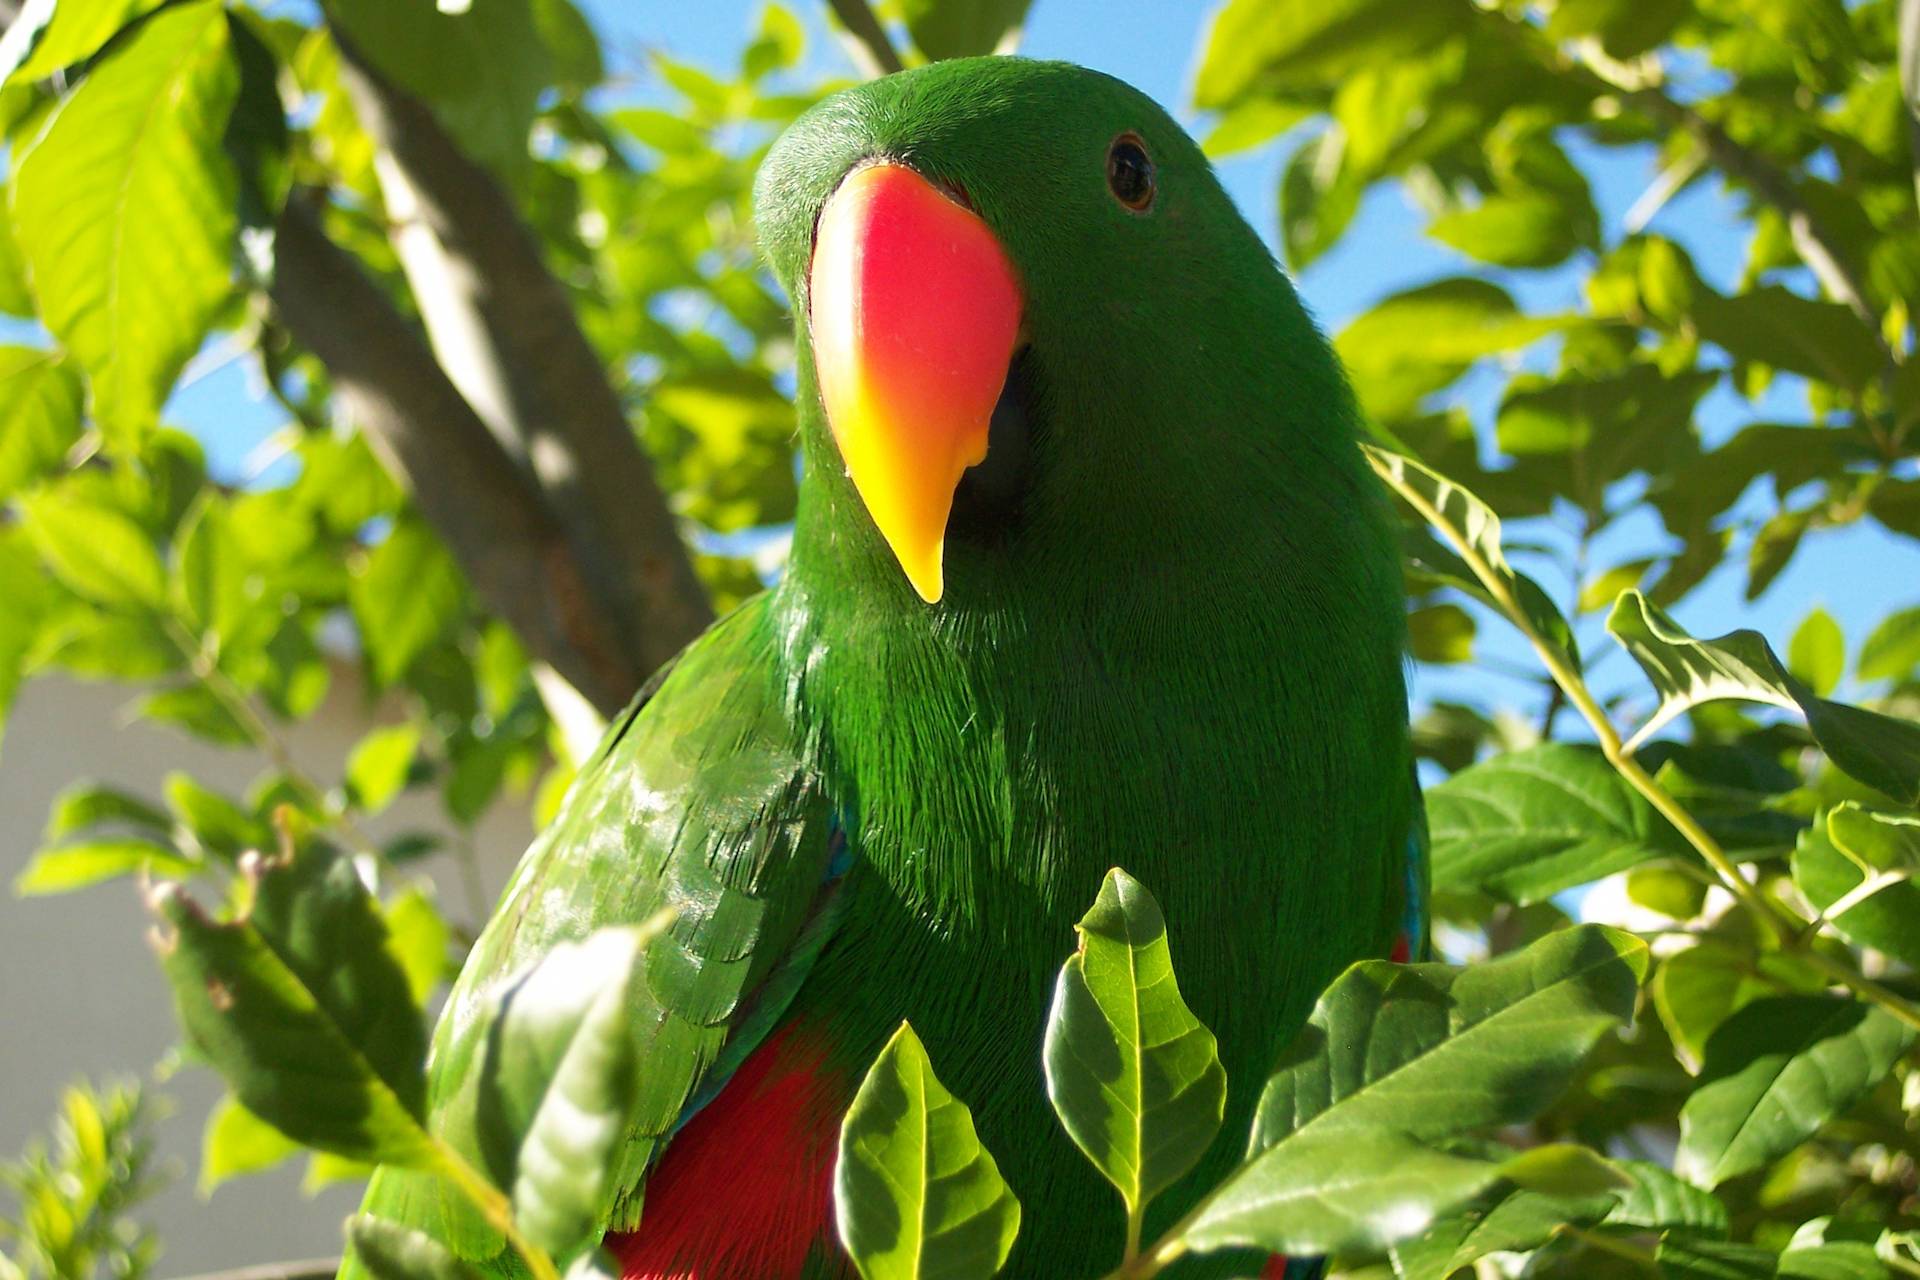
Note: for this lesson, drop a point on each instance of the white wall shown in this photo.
(81, 994)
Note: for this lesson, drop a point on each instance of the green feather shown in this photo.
(1180, 651)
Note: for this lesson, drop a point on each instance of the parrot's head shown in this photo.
(1037, 344)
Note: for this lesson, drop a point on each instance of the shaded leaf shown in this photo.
(1892, 651)
(1526, 230)
(1529, 824)
(1345, 1150)
(1775, 1072)
(1659, 1201)
(1254, 44)
(960, 28)
(1134, 1077)
(304, 975)
(390, 1251)
(1887, 919)
(914, 1193)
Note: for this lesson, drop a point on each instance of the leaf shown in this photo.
(1511, 1221)
(95, 550)
(1879, 750)
(1471, 527)
(304, 975)
(1318, 198)
(407, 597)
(914, 1192)
(1134, 1077)
(39, 415)
(1817, 654)
(1680, 1258)
(1875, 841)
(1887, 920)
(236, 1143)
(1253, 44)
(1659, 1201)
(1528, 230)
(1893, 650)
(1453, 321)
(961, 28)
(480, 67)
(67, 32)
(419, 936)
(1776, 327)
(78, 866)
(377, 769)
(1346, 1151)
(215, 823)
(1529, 824)
(390, 1251)
(1440, 633)
(1775, 1072)
(194, 709)
(558, 1084)
(92, 804)
(1428, 562)
(124, 211)
(1697, 989)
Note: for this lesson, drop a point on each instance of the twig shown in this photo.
(870, 38)
(1783, 927)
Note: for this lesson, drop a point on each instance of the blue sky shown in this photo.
(1851, 572)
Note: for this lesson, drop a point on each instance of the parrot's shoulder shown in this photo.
(705, 797)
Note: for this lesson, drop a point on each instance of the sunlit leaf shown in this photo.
(1817, 654)
(39, 415)
(125, 211)
(390, 1251)
(77, 866)
(236, 1143)
(1887, 918)
(960, 28)
(1880, 751)
(1133, 1075)
(915, 1194)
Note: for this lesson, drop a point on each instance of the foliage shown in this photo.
(1553, 418)
(76, 1194)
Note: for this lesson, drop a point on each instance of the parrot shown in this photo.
(1088, 570)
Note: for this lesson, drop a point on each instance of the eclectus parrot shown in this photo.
(1088, 571)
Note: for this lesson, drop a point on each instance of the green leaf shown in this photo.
(1318, 197)
(124, 211)
(77, 866)
(1659, 1201)
(1774, 326)
(1697, 989)
(193, 709)
(1893, 650)
(1440, 633)
(304, 975)
(1879, 750)
(961, 28)
(215, 823)
(1346, 1150)
(236, 1142)
(558, 1085)
(1254, 44)
(419, 935)
(49, 37)
(390, 1251)
(407, 597)
(575, 49)
(1887, 919)
(1454, 321)
(1528, 230)
(1840, 1260)
(95, 550)
(92, 804)
(481, 67)
(1529, 824)
(1511, 1221)
(1775, 1072)
(1817, 654)
(1875, 841)
(39, 415)
(1683, 1258)
(1134, 1077)
(914, 1193)
(1429, 562)
(1470, 526)
(377, 769)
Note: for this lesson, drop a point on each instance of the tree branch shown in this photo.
(505, 332)
(869, 36)
(463, 482)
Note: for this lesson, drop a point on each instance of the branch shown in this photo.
(463, 482)
(305, 1269)
(870, 37)
(505, 331)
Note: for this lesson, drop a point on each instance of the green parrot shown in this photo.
(1088, 570)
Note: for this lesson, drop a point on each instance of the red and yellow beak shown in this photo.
(915, 313)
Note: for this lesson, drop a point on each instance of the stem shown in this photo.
(305, 1269)
(493, 1206)
(1785, 928)
(1853, 898)
(261, 733)
(1136, 1215)
(869, 36)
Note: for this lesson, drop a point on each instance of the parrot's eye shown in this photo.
(1130, 172)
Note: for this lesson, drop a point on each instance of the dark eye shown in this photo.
(1130, 172)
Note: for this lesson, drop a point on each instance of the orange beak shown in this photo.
(915, 314)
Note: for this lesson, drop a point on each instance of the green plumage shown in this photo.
(1177, 650)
